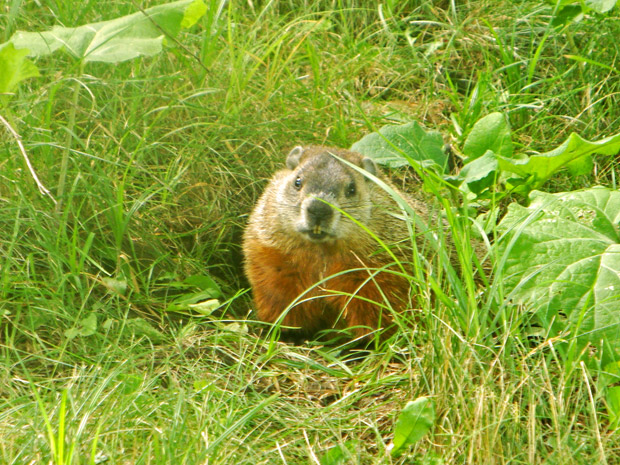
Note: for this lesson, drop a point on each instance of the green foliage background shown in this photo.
(103, 356)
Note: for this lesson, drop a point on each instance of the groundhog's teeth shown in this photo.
(317, 229)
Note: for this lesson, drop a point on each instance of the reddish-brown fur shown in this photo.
(353, 299)
(311, 279)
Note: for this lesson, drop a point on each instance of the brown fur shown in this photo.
(283, 260)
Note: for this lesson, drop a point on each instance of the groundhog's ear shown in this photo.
(369, 165)
(292, 159)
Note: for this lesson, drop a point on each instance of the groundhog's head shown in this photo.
(322, 198)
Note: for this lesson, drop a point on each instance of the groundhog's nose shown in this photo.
(319, 212)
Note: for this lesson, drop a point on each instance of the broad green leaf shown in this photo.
(86, 327)
(415, 421)
(609, 376)
(612, 399)
(481, 173)
(394, 145)
(609, 384)
(235, 327)
(601, 6)
(203, 282)
(198, 293)
(202, 299)
(118, 286)
(206, 307)
(89, 325)
(567, 15)
(581, 166)
(565, 260)
(141, 327)
(14, 68)
(491, 132)
(193, 13)
(540, 167)
(116, 40)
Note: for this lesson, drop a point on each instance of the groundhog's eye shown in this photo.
(297, 183)
(351, 190)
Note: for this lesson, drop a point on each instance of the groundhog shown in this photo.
(309, 248)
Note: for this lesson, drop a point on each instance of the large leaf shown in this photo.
(394, 145)
(491, 132)
(414, 421)
(564, 260)
(477, 176)
(608, 383)
(567, 15)
(540, 167)
(116, 40)
(15, 68)
(199, 293)
(601, 6)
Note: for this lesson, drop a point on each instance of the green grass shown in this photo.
(166, 157)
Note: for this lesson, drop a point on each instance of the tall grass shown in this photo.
(165, 159)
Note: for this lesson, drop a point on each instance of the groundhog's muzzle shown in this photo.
(317, 219)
